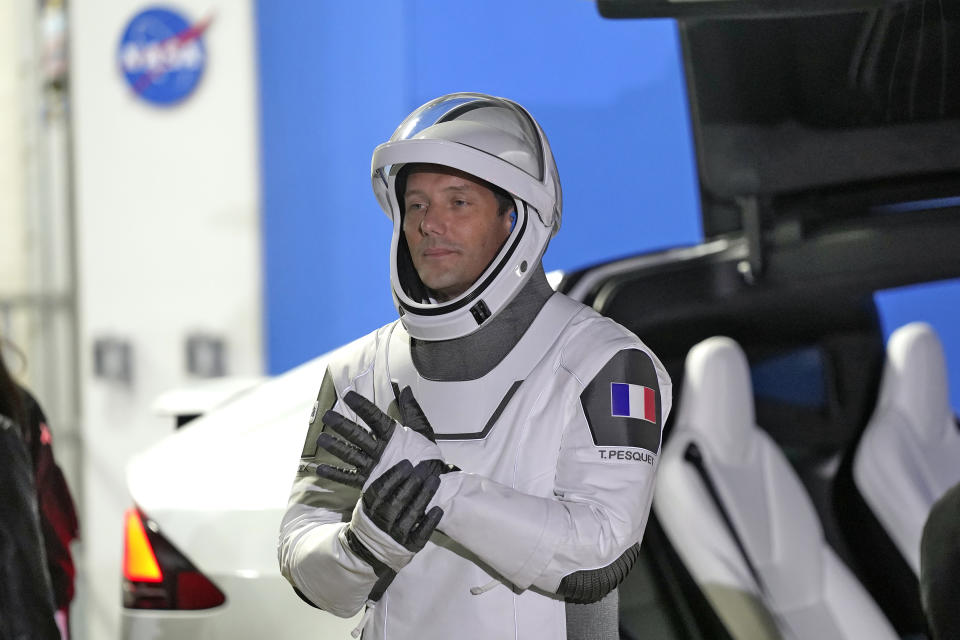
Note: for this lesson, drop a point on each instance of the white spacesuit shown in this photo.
(550, 414)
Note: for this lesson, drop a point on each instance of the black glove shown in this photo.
(365, 449)
(389, 524)
(397, 500)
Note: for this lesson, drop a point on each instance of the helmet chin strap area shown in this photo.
(474, 356)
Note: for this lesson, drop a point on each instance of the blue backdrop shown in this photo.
(336, 78)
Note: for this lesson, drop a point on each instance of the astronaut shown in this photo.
(483, 466)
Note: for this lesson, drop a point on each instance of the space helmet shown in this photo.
(499, 142)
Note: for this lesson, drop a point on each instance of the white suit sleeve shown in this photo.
(602, 491)
(313, 551)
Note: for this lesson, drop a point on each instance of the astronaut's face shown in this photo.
(452, 228)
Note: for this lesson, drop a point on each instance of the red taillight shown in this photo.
(139, 561)
(156, 575)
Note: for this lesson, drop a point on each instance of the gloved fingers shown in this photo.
(381, 490)
(405, 523)
(348, 477)
(381, 424)
(345, 452)
(415, 508)
(391, 509)
(413, 416)
(421, 531)
(352, 433)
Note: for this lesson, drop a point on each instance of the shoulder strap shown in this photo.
(695, 457)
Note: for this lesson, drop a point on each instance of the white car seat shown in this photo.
(909, 454)
(757, 548)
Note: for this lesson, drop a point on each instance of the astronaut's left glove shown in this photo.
(383, 446)
(391, 522)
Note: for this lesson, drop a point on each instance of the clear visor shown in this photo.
(492, 125)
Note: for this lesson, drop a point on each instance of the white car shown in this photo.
(200, 558)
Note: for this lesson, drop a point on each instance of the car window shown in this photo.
(794, 377)
(934, 303)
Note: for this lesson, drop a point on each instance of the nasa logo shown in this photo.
(162, 55)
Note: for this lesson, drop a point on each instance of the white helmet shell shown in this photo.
(493, 139)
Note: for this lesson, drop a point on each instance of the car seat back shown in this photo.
(743, 523)
(909, 454)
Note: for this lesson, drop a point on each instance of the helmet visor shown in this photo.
(492, 125)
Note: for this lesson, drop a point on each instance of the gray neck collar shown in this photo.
(475, 355)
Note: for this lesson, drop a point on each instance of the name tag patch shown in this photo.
(626, 454)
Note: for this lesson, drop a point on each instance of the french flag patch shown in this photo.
(633, 401)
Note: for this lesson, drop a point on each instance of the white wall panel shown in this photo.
(12, 144)
(168, 237)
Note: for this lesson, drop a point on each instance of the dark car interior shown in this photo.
(828, 150)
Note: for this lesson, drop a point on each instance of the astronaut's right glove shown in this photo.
(383, 446)
(390, 522)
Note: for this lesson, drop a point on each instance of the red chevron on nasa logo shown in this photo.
(162, 55)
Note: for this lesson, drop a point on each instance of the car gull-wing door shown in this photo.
(810, 114)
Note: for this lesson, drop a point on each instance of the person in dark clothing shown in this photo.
(58, 523)
(940, 566)
(26, 597)
(58, 517)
